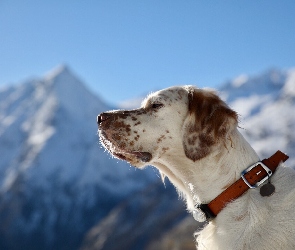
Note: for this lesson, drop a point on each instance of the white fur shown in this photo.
(251, 221)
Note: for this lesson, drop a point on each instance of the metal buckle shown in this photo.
(268, 171)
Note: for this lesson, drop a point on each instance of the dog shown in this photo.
(191, 136)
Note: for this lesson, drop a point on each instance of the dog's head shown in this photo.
(185, 120)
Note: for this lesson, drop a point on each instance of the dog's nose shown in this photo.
(102, 117)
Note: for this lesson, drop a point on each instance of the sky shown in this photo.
(124, 49)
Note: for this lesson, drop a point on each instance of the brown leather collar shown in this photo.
(250, 178)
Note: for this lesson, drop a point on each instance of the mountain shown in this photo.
(56, 181)
(138, 220)
(266, 105)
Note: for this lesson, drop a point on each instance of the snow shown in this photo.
(289, 88)
(267, 118)
(240, 80)
(51, 125)
(267, 83)
(247, 105)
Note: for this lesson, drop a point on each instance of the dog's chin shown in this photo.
(135, 158)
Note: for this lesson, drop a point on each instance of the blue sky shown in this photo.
(122, 49)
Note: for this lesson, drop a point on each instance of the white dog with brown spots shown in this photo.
(191, 136)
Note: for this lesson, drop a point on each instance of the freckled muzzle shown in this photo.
(115, 133)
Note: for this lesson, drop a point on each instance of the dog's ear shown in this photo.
(208, 123)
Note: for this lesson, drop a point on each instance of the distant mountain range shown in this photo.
(60, 190)
(56, 181)
(266, 104)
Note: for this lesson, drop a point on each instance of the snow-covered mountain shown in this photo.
(60, 190)
(55, 179)
(266, 105)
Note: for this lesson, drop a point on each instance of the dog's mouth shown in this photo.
(127, 156)
(122, 153)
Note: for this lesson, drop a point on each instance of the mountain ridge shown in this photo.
(53, 171)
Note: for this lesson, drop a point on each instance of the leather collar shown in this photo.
(251, 177)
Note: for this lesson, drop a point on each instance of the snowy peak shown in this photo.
(48, 125)
(71, 92)
(60, 71)
(267, 83)
(289, 88)
(38, 111)
(39, 99)
(265, 104)
(63, 79)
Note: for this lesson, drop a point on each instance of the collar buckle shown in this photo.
(258, 183)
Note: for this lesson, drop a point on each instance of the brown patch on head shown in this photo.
(209, 120)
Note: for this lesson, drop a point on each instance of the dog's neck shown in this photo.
(201, 181)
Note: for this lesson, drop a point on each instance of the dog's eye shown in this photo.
(157, 105)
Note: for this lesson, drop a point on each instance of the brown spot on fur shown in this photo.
(209, 123)
(118, 124)
(241, 217)
(137, 123)
(192, 139)
(231, 141)
(162, 137)
(164, 150)
(206, 140)
(180, 94)
(116, 137)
